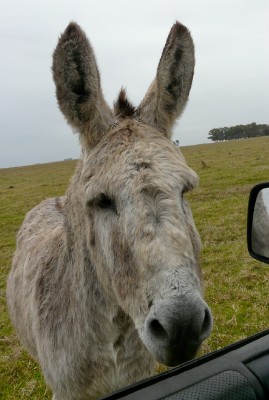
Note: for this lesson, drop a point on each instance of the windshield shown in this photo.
(230, 90)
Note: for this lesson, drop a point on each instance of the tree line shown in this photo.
(238, 132)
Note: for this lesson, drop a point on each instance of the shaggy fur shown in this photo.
(122, 107)
(106, 279)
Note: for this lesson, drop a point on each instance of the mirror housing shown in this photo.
(258, 222)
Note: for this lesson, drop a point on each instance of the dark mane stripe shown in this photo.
(122, 106)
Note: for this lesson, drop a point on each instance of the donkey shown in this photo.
(106, 279)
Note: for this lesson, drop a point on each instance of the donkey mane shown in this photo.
(122, 106)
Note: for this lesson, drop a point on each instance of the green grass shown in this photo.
(236, 286)
(20, 190)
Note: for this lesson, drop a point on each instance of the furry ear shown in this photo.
(168, 94)
(78, 87)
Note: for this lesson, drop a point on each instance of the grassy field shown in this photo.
(236, 286)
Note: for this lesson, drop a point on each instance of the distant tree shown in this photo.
(238, 132)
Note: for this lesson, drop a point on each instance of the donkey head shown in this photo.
(130, 190)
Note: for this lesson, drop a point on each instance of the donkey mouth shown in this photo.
(176, 327)
(176, 354)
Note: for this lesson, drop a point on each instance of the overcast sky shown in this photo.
(231, 81)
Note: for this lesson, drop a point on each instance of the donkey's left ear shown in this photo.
(78, 87)
(168, 94)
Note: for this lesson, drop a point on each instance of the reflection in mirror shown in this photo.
(260, 224)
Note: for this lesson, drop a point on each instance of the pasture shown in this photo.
(236, 286)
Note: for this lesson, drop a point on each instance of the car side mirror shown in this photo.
(258, 222)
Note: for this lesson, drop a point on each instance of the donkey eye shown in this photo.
(184, 190)
(106, 203)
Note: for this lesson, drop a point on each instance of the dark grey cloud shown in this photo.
(231, 84)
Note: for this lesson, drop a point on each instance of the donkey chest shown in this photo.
(130, 362)
(133, 361)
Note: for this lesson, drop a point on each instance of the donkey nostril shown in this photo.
(157, 330)
(207, 323)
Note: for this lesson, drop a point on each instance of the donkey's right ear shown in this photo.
(78, 87)
(168, 94)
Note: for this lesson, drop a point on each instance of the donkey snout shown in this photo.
(176, 327)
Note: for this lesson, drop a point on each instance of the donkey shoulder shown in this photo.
(43, 220)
